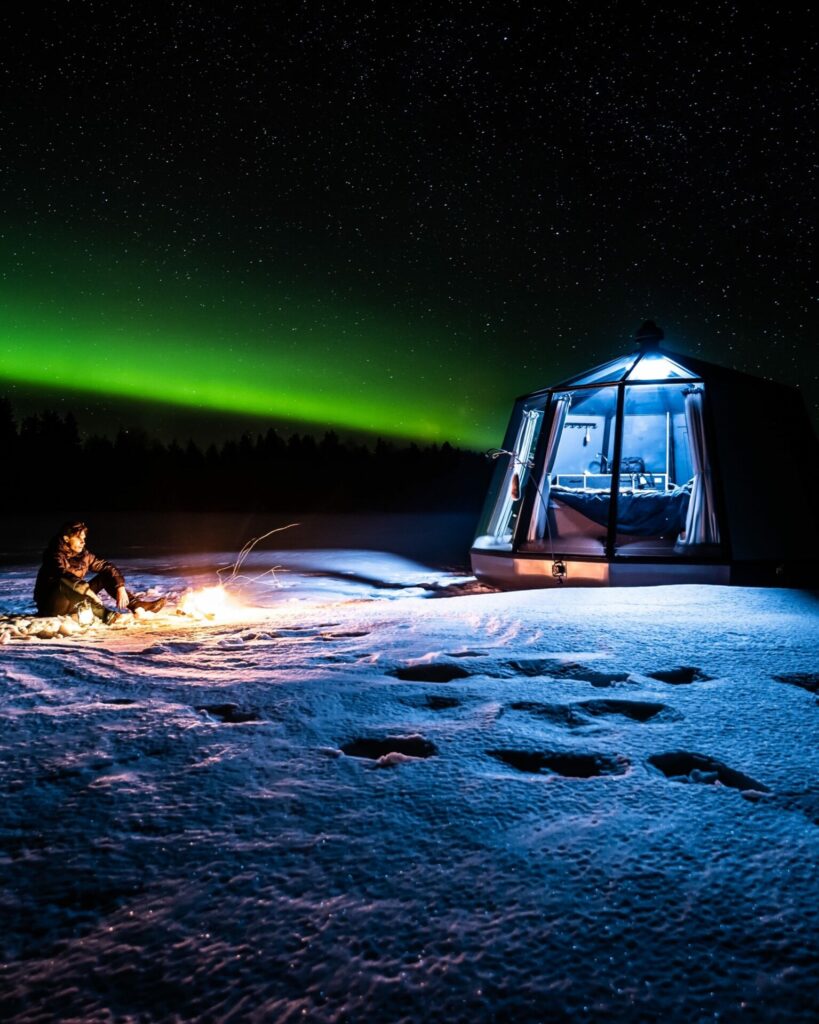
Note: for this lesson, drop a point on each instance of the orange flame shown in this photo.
(212, 603)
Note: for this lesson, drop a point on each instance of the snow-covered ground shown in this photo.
(369, 800)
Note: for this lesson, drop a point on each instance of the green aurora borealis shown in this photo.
(391, 224)
(78, 320)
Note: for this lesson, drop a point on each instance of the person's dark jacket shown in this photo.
(59, 560)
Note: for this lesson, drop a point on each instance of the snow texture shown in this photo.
(361, 803)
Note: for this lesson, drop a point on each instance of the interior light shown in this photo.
(654, 366)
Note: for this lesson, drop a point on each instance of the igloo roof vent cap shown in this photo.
(649, 336)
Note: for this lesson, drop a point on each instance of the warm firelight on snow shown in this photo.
(84, 615)
(213, 603)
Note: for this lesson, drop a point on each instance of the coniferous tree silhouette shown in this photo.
(51, 465)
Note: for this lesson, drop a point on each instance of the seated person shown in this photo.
(60, 589)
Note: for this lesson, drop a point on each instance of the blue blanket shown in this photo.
(645, 513)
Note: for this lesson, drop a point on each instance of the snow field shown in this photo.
(566, 805)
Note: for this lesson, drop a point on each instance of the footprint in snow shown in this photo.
(805, 680)
(230, 714)
(568, 765)
(436, 703)
(557, 714)
(684, 766)
(82, 767)
(434, 672)
(231, 643)
(635, 710)
(389, 751)
(432, 702)
(681, 676)
(577, 715)
(554, 669)
(173, 647)
(583, 674)
(344, 636)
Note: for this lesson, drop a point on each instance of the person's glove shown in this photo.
(122, 599)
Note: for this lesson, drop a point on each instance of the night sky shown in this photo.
(395, 222)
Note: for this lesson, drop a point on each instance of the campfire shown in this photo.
(212, 603)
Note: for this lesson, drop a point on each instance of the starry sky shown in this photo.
(394, 221)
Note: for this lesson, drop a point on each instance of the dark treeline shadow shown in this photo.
(46, 463)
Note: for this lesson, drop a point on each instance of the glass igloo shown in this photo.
(617, 476)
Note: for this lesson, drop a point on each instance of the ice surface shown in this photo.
(506, 837)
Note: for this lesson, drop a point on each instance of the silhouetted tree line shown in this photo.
(46, 463)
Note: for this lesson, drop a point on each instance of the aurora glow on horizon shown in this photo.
(188, 340)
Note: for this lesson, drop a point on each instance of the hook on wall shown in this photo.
(587, 428)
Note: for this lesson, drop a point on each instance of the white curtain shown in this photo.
(701, 521)
(537, 524)
(499, 523)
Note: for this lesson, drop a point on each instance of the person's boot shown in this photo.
(146, 604)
